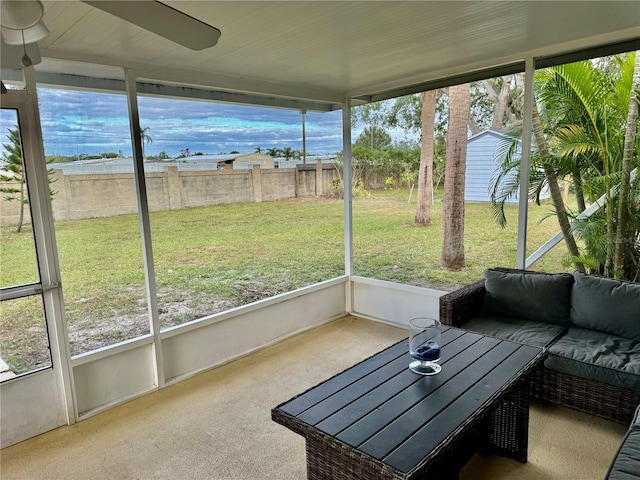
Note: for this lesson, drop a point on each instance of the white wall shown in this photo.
(393, 303)
(119, 373)
(116, 374)
(22, 414)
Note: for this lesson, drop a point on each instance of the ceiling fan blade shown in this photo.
(163, 20)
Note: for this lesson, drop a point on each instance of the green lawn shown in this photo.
(214, 258)
(388, 246)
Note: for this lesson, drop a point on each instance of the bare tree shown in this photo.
(452, 256)
(425, 175)
(498, 90)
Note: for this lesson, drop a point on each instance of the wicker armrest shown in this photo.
(459, 305)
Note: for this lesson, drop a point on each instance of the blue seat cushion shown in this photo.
(598, 356)
(635, 422)
(536, 334)
(626, 463)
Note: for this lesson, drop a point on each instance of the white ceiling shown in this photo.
(330, 50)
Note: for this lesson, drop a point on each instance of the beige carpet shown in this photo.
(218, 425)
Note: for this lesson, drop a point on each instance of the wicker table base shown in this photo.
(504, 431)
(386, 423)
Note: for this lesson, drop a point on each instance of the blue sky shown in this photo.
(80, 122)
(76, 122)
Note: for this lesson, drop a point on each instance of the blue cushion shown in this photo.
(626, 463)
(607, 305)
(536, 334)
(598, 356)
(536, 296)
(635, 422)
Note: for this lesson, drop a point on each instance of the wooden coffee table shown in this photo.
(379, 420)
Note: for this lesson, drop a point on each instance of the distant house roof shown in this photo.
(488, 132)
(225, 157)
(221, 157)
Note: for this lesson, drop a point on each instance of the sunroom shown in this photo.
(314, 58)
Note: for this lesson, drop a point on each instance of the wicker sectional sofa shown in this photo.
(626, 463)
(590, 326)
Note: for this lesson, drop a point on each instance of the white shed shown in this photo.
(482, 165)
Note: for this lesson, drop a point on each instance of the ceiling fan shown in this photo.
(22, 25)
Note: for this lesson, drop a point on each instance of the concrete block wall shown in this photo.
(10, 210)
(105, 195)
(278, 184)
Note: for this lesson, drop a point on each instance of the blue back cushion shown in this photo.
(608, 305)
(541, 297)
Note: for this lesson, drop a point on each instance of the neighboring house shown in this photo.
(224, 161)
(95, 166)
(482, 165)
(282, 162)
(231, 161)
(250, 159)
(221, 161)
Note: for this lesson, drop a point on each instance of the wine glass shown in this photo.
(424, 345)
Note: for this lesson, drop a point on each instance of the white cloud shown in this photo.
(88, 122)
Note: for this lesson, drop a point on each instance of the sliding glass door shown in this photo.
(31, 363)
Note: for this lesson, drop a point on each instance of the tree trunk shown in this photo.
(622, 239)
(425, 175)
(577, 185)
(21, 218)
(452, 257)
(499, 100)
(554, 189)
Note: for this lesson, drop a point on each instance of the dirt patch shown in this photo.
(177, 313)
(96, 332)
(175, 307)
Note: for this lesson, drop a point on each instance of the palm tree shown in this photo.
(273, 152)
(623, 230)
(585, 113)
(287, 152)
(554, 189)
(452, 255)
(145, 138)
(425, 175)
(258, 149)
(597, 100)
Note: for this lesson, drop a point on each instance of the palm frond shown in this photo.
(575, 141)
(586, 260)
(505, 180)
